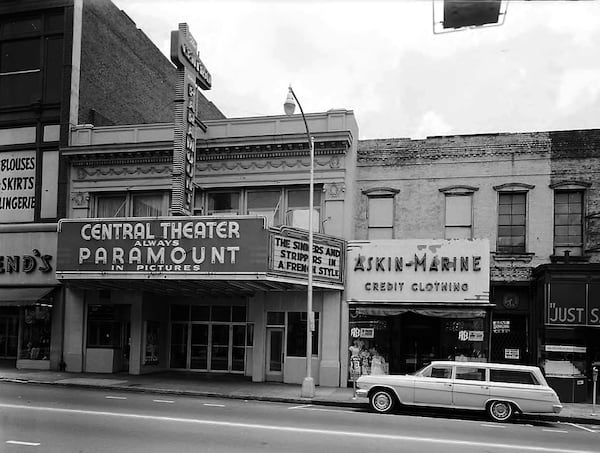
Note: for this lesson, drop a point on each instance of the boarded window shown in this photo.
(459, 216)
(381, 218)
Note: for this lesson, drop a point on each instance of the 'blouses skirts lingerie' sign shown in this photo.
(169, 246)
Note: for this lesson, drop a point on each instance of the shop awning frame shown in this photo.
(18, 296)
(439, 310)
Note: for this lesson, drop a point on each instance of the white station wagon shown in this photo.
(501, 390)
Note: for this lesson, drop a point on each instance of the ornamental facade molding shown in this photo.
(334, 191)
(331, 162)
(102, 172)
(510, 274)
(80, 200)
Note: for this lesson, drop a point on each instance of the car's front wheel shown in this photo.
(382, 401)
(500, 411)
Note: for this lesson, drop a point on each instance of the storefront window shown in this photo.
(405, 341)
(35, 340)
(104, 327)
(151, 347)
(296, 334)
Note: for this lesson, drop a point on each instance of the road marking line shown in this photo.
(582, 427)
(555, 430)
(304, 406)
(493, 426)
(296, 430)
(20, 442)
(214, 405)
(163, 401)
(325, 410)
(116, 397)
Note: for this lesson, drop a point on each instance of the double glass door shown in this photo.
(219, 347)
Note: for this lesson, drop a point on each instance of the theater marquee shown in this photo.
(427, 271)
(168, 246)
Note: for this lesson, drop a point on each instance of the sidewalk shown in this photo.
(228, 386)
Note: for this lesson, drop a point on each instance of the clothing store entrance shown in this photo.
(415, 344)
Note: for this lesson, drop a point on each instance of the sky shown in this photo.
(537, 71)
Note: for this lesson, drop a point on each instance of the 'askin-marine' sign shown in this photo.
(169, 246)
(426, 271)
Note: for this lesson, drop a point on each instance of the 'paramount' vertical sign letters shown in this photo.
(191, 74)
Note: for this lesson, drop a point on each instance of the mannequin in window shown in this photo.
(377, 362)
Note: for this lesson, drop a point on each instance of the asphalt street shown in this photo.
(47, 419)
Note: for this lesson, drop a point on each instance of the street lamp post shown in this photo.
(308, 384)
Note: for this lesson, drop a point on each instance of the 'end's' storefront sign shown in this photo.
(416, 270)
(170, 246)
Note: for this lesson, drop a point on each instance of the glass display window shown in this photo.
(35, 332)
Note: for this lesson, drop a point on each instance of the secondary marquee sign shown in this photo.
(168, 247)
(289, 256)
(424, 271)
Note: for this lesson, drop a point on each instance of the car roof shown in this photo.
(485, 364)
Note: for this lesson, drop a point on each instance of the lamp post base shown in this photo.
(308, 388)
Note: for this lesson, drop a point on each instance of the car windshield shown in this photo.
(422, 372)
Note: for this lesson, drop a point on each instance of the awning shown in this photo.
(434, 311)
(11, 297)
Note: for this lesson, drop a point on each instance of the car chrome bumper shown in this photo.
(557, 408)
(362, 393)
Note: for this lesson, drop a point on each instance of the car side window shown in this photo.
(441, 372)
(513, 377)
(470, 373)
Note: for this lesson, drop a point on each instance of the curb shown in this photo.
(275, 399)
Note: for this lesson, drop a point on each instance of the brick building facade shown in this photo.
(62, 62)
(534, 196)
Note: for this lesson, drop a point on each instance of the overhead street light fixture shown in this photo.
(308, 384)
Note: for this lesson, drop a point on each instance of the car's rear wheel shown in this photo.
(382, 401)
(500, 411)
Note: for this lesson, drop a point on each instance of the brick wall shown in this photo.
(420, 168)
(576, 158)
(125, 79)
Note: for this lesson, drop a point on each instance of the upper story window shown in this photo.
(458, 213)
(380, 213)
(31, 59)
(223, 203)
(145, 204)
(512, 218)
(281, 206)
(267, 203)
(569, 217)
(512, 214)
